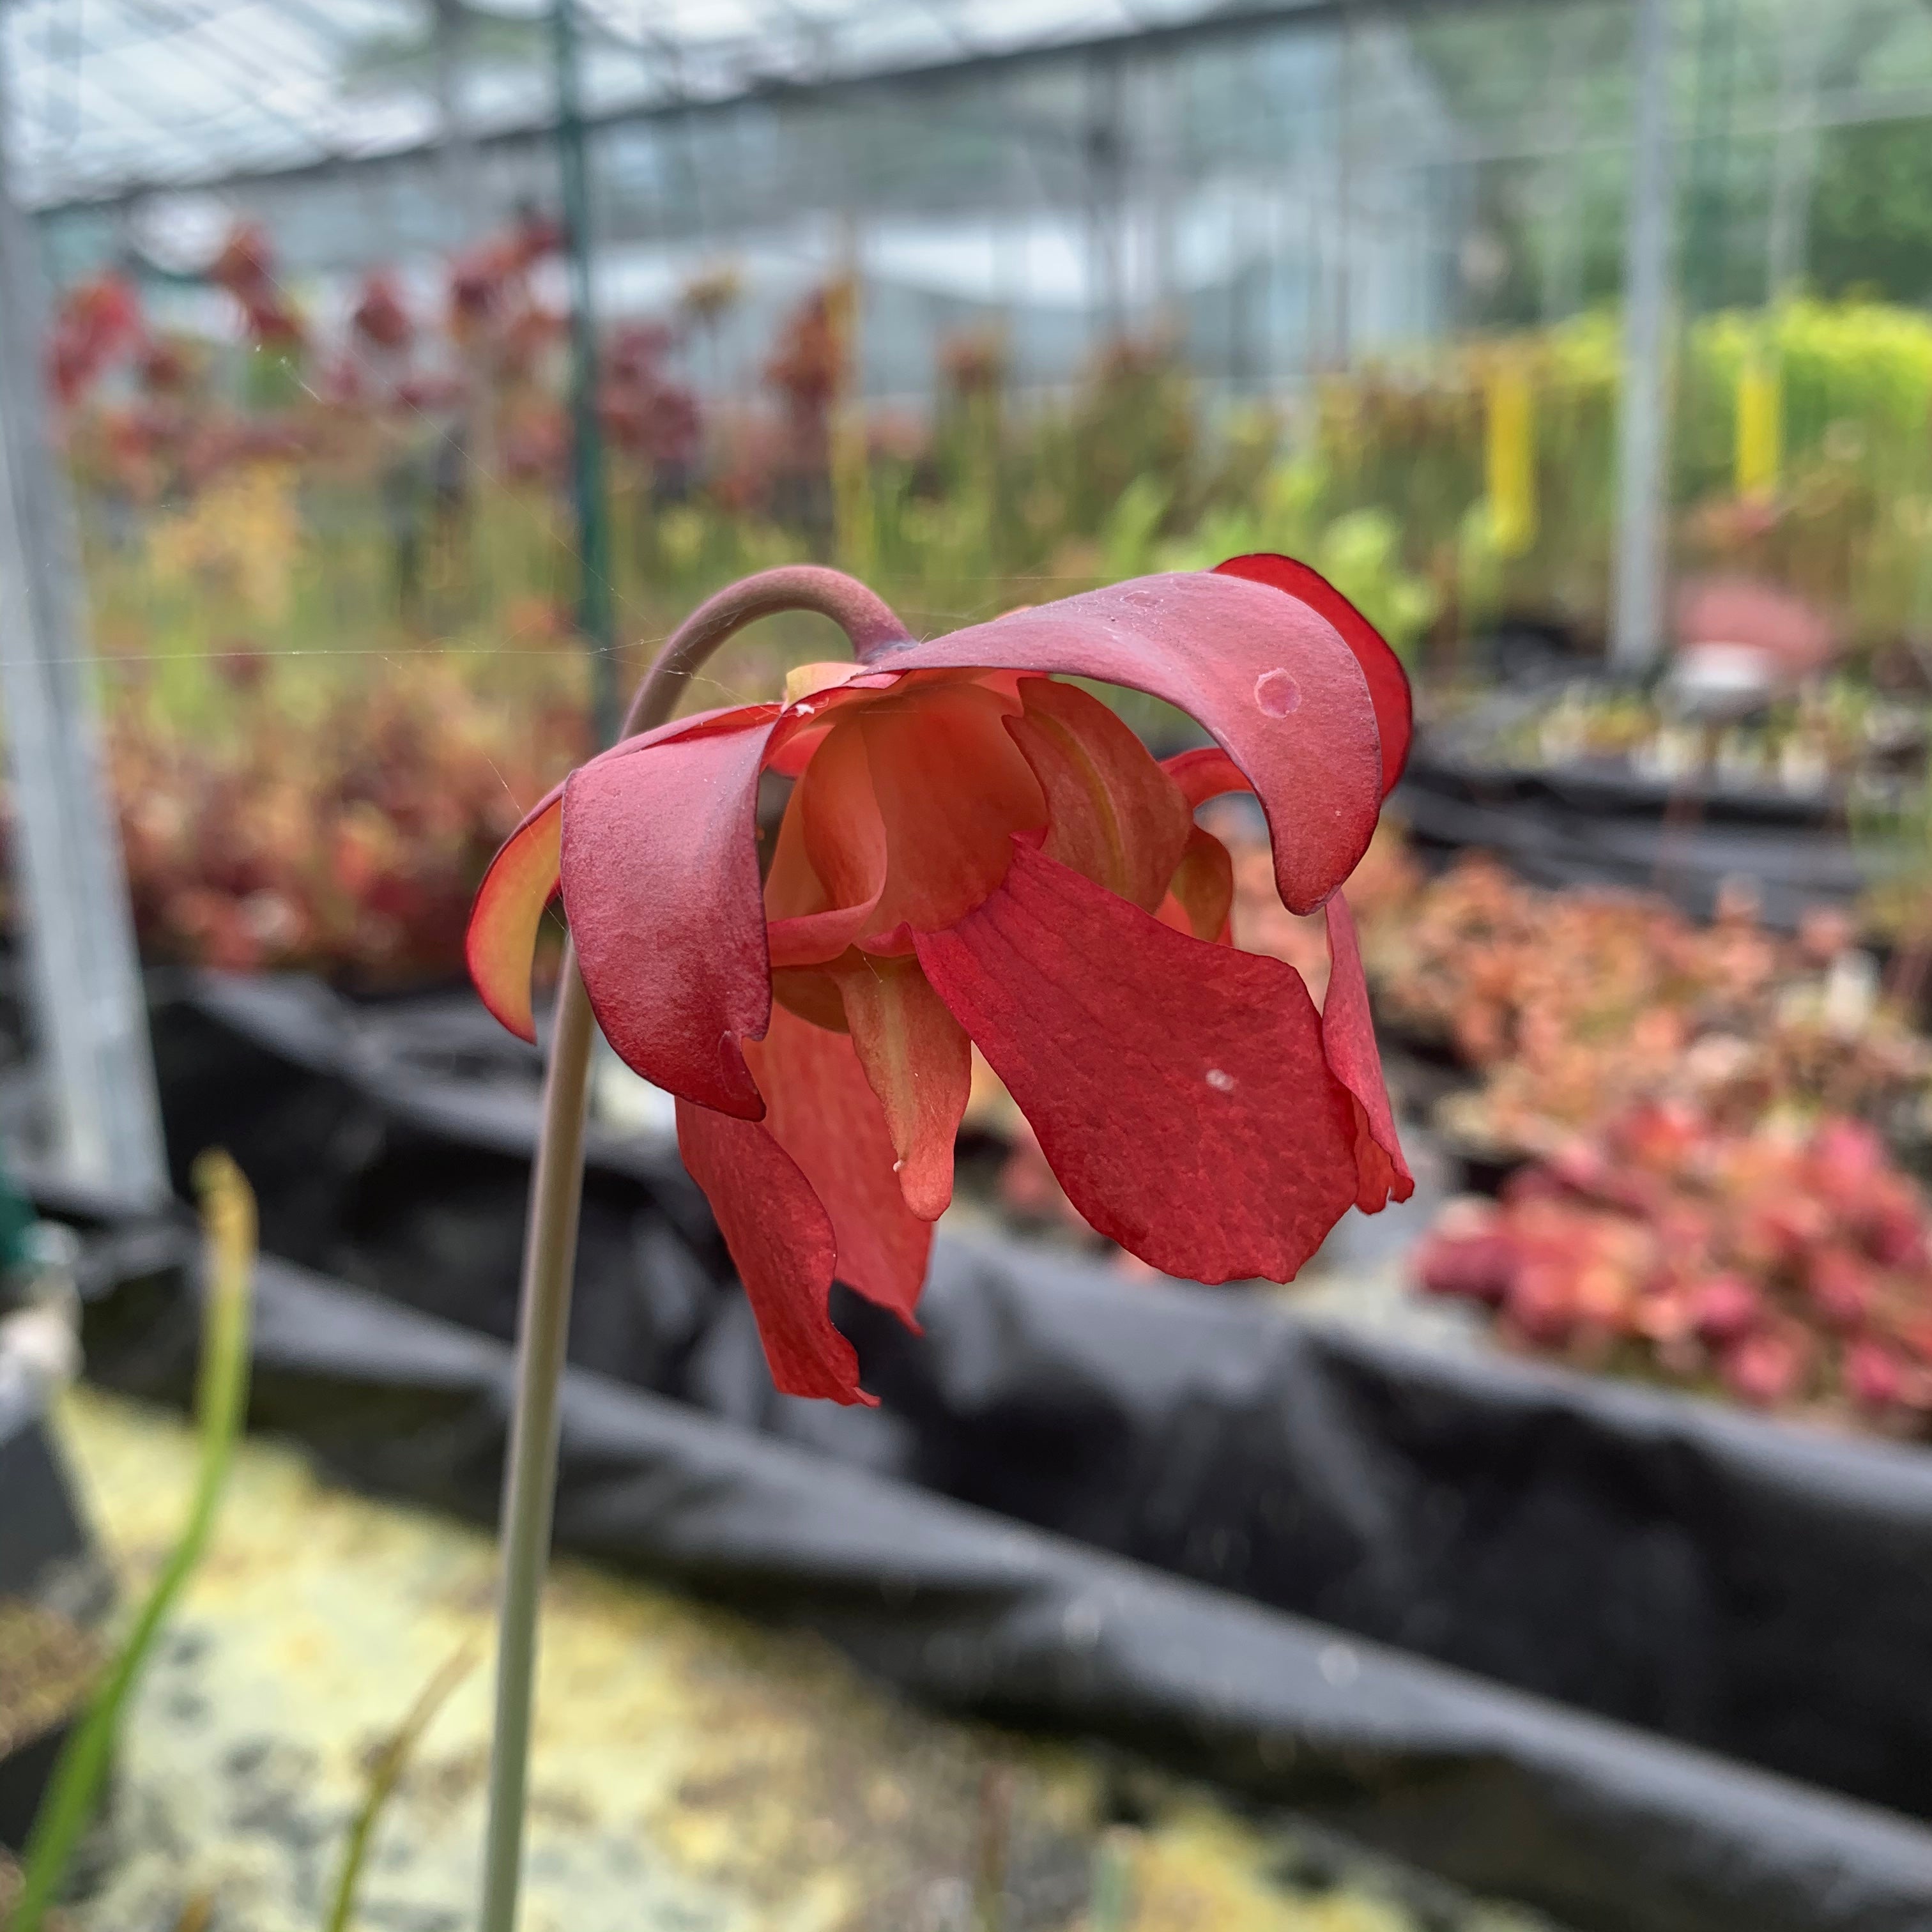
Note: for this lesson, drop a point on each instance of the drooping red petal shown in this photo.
(1111, 813)
(1388, 682)
(509, 906)
(1205, 773)
(1200, 896)
(1179, 1090)
(919, 1062)
(780, 1237)
(660, 874)
(1267, 675)
(1348, 1039)
(822, 1110)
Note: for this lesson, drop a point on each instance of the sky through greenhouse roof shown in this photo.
(104, 97)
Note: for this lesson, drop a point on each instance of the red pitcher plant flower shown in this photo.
(976, 853)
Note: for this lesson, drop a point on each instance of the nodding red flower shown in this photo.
(272, 324)
(164, 366)
(245, 266)
(97, 320)
(974, 853)
(380, 317)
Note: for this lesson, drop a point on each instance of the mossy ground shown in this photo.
(694, 1771)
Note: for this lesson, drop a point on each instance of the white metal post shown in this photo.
(1795, 154)
(457, 174)
(1637, 625)
(90, 1021)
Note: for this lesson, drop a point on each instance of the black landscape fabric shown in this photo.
(1582, 827)
(1319, 1566)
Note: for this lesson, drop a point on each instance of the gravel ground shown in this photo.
(694, 1772)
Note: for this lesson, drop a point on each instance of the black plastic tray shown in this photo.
(1592, 826)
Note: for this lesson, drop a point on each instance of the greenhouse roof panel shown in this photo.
(121, 95)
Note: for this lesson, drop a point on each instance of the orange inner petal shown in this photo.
(904, 816)
(952, 790)
(1113, 815)
(917, 1061)
(902, 821)
(1200, 896)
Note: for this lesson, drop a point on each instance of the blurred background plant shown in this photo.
(252, 555)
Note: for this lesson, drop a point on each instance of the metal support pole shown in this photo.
(1637, 635)
(89, 1016)
(596, 616)
(1563, 255)
(1104, 144)
(1342, 325)
(456, 151)
(1707, 189)
(1795, 155)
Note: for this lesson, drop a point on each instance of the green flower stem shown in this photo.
(550, 1250)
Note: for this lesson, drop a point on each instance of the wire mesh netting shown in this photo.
(1281, 187)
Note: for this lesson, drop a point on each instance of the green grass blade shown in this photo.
(383, 1776)
(221, 1405)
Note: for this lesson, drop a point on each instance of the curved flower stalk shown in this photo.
(976, 853)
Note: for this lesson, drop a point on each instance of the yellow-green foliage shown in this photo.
(1845, 523)
(1382, 486)
(1865, 367)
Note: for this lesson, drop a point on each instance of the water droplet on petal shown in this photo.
(1277, 694)
(897, 1165)
(1222, 1083)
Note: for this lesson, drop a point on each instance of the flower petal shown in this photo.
(1348, 1039)
(919, 1062)
(1201, 896)
(780, 1237)
(839, 830)
(806, 926)
(1267, 675)
(951, 788)
(1179, 1090)
(808, 720)
(1204, 774)
(1111, 813)
(660, 873)
(503, 933)
(821, 1110)
(1388, 682)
